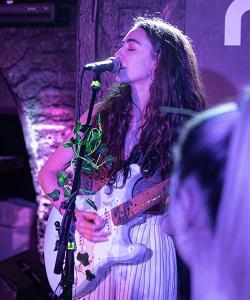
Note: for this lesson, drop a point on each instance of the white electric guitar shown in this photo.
(93, 260)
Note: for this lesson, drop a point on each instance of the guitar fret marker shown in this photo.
(122, 213)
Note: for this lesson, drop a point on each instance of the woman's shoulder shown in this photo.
(96, 109)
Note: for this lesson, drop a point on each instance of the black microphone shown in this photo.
(111, 64)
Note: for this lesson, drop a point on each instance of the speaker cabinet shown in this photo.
(23, 277)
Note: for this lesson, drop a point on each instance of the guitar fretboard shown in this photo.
(132, 208)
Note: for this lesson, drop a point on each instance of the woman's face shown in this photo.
(137, 58)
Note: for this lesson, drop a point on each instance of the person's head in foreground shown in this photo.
(211, 202)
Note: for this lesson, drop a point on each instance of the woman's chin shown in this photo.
(119, 80)
(122, 77)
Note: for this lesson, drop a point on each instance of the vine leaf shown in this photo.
(78, 138)
(109, 160)
(87, 192)
(95, 155)
(91, 203)
(67, 191)
(88, 165)
(69, 144)
(78, 127)
(55, 195)
(62, 178)
(87, 171)
(86, 129)
(102, 149)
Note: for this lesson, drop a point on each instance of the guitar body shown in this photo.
(118, 248)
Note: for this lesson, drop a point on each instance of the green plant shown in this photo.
(96, 155)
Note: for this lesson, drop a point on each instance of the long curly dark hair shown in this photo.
(176, 84)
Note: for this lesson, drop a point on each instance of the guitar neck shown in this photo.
(132, 208)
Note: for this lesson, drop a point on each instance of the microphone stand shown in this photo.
(66, 245)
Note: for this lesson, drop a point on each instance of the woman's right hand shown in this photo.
(90, 226)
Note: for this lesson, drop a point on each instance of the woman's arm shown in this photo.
(88, 224)
(47, 176)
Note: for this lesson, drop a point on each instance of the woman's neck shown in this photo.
(140, 97)
(140, 94)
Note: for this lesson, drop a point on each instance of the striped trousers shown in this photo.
(152, 278)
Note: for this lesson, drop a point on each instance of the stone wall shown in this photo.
(39, 65)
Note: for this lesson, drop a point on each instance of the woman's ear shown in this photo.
(182, 206)
(189, 217)
(192, 199)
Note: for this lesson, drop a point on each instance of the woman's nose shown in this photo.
(118, 53)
